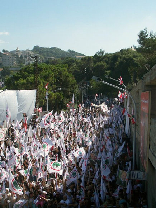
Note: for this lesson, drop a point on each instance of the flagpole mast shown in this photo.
(47, 99)
(46, 86)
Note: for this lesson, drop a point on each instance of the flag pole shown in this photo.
(47, 99)
(46, 86)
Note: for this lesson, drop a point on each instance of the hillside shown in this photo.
(54, 52)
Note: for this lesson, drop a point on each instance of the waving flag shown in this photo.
(8, 115)
(2, 135)
(82, 189)
(40, 173)
(45, 147)
(133, 120)
(46, 120)
(14, 186)
(118, 153)
(124, 111)
(105, 171)
(80, 152)
(84, 164)
(73, 175)
(120, 95)
(24, 172)
(55, 167)
(46, 86)
(103, 190)
(11, 159)
(120, 80)
(34, 148)
(21, 150)
(3, 175)
(30, 132)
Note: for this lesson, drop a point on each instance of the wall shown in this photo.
(148, 83)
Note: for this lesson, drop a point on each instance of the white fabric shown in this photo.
(18, 102)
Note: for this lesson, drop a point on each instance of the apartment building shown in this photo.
(8, 60)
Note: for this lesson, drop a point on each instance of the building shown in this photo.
(0, 60)
(8, 60)
(79, 57)
(16, 57)
(144, 95)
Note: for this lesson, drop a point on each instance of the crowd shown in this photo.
(78, 158)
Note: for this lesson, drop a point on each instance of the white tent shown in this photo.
(18, 102)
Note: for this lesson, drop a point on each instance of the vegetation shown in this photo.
(55, 52)
(60, 88)
(67, 75)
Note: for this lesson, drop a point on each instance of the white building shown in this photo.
(8, 60)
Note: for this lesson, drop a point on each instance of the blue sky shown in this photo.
(85, 26)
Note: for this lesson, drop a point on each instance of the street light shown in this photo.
(98, 79)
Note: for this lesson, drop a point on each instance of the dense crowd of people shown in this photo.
(78, 158)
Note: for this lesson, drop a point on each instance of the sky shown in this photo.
(85, 26)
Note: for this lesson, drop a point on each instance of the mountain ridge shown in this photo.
(55, 52)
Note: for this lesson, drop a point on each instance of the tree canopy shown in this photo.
(54, 52)
(147, 46)
(61, 85)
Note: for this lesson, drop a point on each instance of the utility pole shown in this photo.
(47, 94)
(36, 78)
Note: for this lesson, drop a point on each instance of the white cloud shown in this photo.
(2, 41)
(4, 33)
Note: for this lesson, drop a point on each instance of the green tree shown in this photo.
(61, 85)
(5, 72)
(147, 46)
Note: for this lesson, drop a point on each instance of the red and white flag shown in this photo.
(124, 112)
(133, 120)
(120, 95)
(46, 86)
(39, 110)
(25, 124)
(14, 186)
(120, 80)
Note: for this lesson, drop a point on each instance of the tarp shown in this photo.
(18, 102)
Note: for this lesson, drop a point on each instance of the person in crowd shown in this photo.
(80, 160)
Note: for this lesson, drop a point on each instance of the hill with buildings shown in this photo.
(18, 58)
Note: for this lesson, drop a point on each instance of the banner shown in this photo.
(122, 178)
